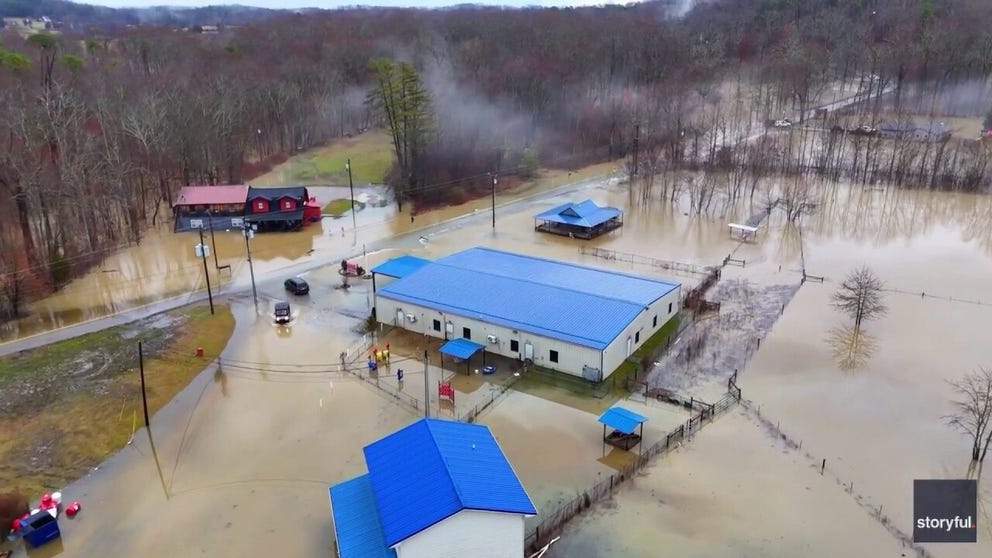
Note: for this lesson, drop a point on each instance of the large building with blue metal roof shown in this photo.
(579, 320)
(434, 488)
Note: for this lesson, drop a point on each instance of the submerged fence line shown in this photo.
(553, 523)
(821, 463)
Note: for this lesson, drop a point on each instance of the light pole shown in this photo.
(249, 233)
(351, 184)
(201, 251)
(495, 179)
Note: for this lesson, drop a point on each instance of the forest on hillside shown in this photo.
(99, 129)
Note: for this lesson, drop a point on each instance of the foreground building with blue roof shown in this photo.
(434, 488)
(579, 320)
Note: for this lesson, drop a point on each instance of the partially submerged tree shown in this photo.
(973, 411)
(860, 296)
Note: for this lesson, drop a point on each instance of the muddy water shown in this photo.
(246, 452)
(733, 491)
(558, 451)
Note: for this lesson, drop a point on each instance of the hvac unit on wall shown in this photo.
(492, 339)
(411, 318)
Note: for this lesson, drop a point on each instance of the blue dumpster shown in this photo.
(39, 528)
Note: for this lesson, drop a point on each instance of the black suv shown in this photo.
(297, 286)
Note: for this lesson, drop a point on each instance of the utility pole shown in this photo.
(637, 139)
(144, 397)
(427, 389)
(495, 178)
(213, 244)
(206, 272)
(248, 233)
(351, 184)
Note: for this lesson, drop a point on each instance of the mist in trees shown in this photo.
(101, 128)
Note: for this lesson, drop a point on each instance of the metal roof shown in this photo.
(583, 214)
(622, 419)
(461, 348)
(356, 520)
(432, 469)
(207, 195)
(577, 304)
(400, 267)
(298, 192)
(606, 283)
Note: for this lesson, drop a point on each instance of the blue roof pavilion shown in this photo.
(583, 220)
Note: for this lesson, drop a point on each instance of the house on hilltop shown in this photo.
(434, 488)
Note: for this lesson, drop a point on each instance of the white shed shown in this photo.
(435, 489)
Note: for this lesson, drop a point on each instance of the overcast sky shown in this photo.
(291, 4)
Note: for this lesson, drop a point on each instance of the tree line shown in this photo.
(100, 129)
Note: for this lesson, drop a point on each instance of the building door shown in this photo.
(449, 329)
(528, 352)
(399, 318)
(630, 346)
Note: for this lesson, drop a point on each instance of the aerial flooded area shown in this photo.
(874, 407)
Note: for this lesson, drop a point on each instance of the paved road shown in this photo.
(329, 258)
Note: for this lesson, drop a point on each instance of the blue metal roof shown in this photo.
(356, 520)
(581, 305)
(432, 469)
(401, 266)
(461, 348)
(621, 419)
(583, 214)
(561, 275)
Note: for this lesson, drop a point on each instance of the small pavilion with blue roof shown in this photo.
(434, 488)
(624, 423)
(584, 220)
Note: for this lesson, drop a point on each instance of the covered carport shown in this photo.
(463, 349)
(623, 422)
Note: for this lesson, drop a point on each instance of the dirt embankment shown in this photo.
(67, 406)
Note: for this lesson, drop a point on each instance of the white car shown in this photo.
(784, 123)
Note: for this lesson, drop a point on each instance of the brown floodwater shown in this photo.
(732, 491)
(280, 389)
(877, 420)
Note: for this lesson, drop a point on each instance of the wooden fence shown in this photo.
(554, 521)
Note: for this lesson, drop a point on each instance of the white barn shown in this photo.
(434, 489)
(575, 319)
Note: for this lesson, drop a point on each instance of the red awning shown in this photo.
(209, 195)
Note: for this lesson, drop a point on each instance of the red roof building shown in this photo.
(218, 207)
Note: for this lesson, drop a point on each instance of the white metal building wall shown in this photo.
(468, 533)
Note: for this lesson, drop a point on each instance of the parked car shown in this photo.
(283, 313)
(783, 123)
(297, 286)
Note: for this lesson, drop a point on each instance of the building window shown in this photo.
(637, 337)
(553, 356)
(437, 325)
(514, 345)
(655, 322)
(466, 333)
(669, 307)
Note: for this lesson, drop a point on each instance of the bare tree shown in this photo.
(973, 411)
(860, 296)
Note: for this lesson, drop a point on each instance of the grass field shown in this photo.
(340, 207)
(371, 157)
(67, 406)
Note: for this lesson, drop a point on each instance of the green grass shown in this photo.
(371, 157)
(341, 206)
(69, 405)
(628, 368)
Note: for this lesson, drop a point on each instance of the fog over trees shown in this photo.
(101, 128)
